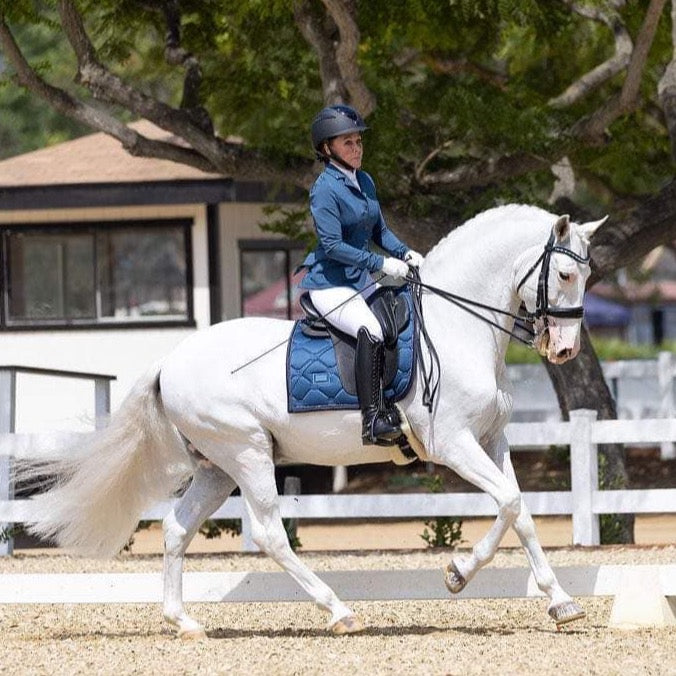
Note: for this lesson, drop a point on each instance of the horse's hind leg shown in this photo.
(210, 487)
(255, 475)
(562, 608)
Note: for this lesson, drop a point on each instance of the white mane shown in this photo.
(503, 221)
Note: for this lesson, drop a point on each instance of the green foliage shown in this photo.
(614, 349)
(26, 122)
(291, 534)
(518, 353)
(471, 76)
(10, 532)
(442, 531)
(607, 349)
(612, 527)
(214, 528)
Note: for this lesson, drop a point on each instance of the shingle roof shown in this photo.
(96, 158)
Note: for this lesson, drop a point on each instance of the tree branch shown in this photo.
(604, 71)
(483, 172)
(132, 141)
(344, 13)
(666, 88)
(462, 65)
(593, 128)
(319, 32)
(616, 245)
(226, 158)
(175, 55)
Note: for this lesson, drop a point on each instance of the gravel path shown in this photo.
(431, 637)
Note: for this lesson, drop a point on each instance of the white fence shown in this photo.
(9, 442)
(585, 502)
(641, 388)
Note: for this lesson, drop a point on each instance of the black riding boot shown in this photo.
(378, 424)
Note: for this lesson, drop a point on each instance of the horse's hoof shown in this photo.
(455, 581)
(346, 625)
(195, 634)
(566, 612)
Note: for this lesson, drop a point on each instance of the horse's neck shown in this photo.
(478, 262)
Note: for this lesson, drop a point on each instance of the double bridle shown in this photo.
(543, 311)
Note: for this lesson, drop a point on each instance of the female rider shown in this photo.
(347, 217)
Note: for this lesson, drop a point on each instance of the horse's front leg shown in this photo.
(562, 608)
(467, 458)
(210, 487)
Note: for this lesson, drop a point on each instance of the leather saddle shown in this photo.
(392, 311)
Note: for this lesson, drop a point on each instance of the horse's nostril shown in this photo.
(564, 354)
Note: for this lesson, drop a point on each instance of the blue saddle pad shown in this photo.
(312, 379)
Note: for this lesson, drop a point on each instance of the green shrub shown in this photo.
(214, 528)
(442, 531)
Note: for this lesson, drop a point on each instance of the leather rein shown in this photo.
(543, 311)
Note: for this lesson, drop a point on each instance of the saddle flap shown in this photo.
(320, 365)
(313, 325)
(392, 312)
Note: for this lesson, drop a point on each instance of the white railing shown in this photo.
(641, 388)
(8, 377)
(584, 502)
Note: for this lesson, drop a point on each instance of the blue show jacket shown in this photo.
(346, 220)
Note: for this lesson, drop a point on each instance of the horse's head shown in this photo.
(554, 298)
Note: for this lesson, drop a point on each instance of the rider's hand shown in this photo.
(395, 268)
(413, 258)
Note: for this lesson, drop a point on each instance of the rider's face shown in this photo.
(348, 148)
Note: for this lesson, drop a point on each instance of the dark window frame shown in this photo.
(79, 227)
(264, 244)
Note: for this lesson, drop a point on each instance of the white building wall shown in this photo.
(63, 404)
(45, 403)
(238, 221)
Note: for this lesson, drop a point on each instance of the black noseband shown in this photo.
(543, 310)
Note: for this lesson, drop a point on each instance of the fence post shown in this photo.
(101, 402)
(584, 477)
(7, 426)
(248, 545)
(339, 478)
(291, 487)
(666, 372)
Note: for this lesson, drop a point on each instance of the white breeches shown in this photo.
(346, 309)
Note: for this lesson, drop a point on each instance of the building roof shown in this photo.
(96, 158)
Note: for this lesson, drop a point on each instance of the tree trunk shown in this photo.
(580, 383)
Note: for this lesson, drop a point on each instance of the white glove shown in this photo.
(395, 268)
(413, 258)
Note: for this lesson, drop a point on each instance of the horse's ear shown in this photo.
(586, 230)
(562, 227)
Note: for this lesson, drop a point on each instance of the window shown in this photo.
(269, 287)
(65, 275)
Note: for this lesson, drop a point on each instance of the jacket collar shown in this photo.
(341, 175)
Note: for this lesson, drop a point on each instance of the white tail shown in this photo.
(104, 485)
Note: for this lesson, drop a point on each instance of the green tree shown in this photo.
(472, 103)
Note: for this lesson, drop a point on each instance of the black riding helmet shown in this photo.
(334, 121)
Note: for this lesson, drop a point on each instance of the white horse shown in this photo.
(195, 414)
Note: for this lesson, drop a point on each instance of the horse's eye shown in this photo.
(564, 276)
